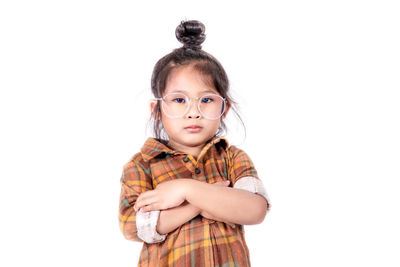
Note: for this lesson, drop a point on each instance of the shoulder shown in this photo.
(234, 149)
(134, 161)
(231, 152)
(136, 167)
(235, 152)
(240, 161)
(150, 149)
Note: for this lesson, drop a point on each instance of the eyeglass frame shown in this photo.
(188, 99)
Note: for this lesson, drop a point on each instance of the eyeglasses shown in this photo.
(176, 105)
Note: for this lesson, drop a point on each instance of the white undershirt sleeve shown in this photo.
(146, 223)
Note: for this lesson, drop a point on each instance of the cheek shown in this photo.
(170, 125)
(214, 125)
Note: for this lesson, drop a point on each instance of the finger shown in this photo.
(144, 202)
(140, 199)
(232, 225)
(150, 207)
(222, 183)
(144, 197)
(146, 194)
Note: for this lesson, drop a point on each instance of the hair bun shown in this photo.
(191, 34)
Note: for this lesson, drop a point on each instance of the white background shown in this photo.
(317, 83)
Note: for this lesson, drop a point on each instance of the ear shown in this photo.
(153, 106)
(227, 108)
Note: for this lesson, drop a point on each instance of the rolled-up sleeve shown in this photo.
(146, 223)
(244, 175)
(140, 226)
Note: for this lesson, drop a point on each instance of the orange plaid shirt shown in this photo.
(200, 241)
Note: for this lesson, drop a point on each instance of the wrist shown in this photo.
(194, 209)
(188, 184)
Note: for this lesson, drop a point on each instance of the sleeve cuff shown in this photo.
(253, 185)
(146, 223)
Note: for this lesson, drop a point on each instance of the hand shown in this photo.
(167, 195)
(209, 216)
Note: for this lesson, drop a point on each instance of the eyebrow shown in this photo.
(186, 92)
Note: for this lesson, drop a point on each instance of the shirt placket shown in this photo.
(193, 166)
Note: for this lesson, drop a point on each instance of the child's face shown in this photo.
(181, 136)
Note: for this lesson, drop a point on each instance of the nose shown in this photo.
(193, 112)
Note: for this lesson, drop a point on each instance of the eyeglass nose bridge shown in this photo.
(189, 105)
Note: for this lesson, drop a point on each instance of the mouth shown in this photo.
(193, 128)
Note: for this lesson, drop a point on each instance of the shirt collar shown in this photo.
(154, 147)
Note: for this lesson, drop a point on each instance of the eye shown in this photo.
(179, 100)
(207, 100)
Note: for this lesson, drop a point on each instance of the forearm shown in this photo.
(171, 219)
(231, 205)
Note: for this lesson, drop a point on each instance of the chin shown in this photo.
(196, 140)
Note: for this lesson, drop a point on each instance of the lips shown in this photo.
(194, 128)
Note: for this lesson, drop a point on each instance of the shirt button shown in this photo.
(185, 159)
(197, 171)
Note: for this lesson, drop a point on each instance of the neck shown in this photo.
(192, 150)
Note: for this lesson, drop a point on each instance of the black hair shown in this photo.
(191, 34)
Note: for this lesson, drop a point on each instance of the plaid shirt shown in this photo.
(200, 241)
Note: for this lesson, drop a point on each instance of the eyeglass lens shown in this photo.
(176, 105)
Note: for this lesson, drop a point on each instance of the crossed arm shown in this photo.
(171, 219)
(183, 199)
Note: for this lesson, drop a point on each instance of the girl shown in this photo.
(187, 194)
